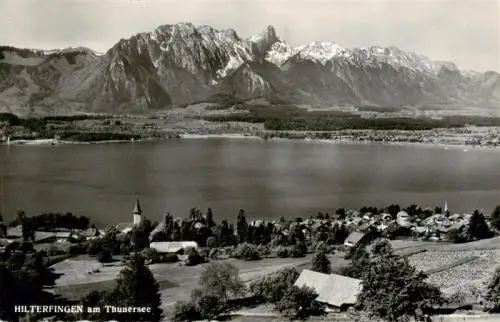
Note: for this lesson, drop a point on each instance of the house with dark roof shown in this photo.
(337, 292)
(356, 238)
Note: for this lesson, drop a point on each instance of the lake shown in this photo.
(268, 179)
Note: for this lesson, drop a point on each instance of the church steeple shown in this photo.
(137, 211)
(137, 207)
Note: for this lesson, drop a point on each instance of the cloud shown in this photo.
(466, 32)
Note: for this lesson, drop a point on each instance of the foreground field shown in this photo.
(176, 281)
(452, 267)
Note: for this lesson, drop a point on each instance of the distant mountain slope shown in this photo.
(179, 64)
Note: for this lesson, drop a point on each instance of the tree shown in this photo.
(359, 263)
(21, 215)
(139, 235)
(272, 288)
(478, 228)
(321, 263)
(160, 236)
(493, 294)
(340, 233)
(218, 283)
(22, 281)
(341, 213)
(226, 234)
(241, 226)
(393, 290)
(105, 256)
(209, 218)
(393, 210)
(221, 280)
(299, 303)
(495, 218)
(28, 229)
(8, 294)
(97, 299)
(137, 287)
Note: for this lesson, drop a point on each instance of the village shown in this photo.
(177, 250)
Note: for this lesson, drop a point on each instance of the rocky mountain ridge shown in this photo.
(179, 64)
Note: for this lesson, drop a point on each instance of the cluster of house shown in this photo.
(437, 227)
(43, 239)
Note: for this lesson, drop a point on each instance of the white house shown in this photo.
(173, 247)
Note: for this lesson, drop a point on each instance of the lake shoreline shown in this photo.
(187, 136)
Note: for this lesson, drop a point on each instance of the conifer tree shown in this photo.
(137, 287)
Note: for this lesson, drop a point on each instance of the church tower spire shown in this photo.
(137, 212)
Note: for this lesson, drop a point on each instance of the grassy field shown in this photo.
(176, 281)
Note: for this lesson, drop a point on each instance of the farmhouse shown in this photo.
(173, 247)
(336, 291)
(63, 236)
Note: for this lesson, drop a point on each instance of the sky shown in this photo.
(466, 32)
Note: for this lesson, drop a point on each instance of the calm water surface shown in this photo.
(268, 179)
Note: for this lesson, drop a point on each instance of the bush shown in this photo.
(194, 258)
(246, 251)
(211, 242)
(105, 256)
(77, 249)
(282, 252)
(210, 306)
(185, 311)
(54, 251)
(151, 255)
(298, 250)
(493, 293)
(263, 250)
(169, 258)
(204, 252)
(94, 247)
(214, 253)
(299, 303)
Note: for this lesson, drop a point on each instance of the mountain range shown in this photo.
(181, 64)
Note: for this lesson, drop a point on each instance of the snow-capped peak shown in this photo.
(400, 59)
(320, 51)
(279, 53)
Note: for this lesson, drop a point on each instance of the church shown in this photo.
(137, 219)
